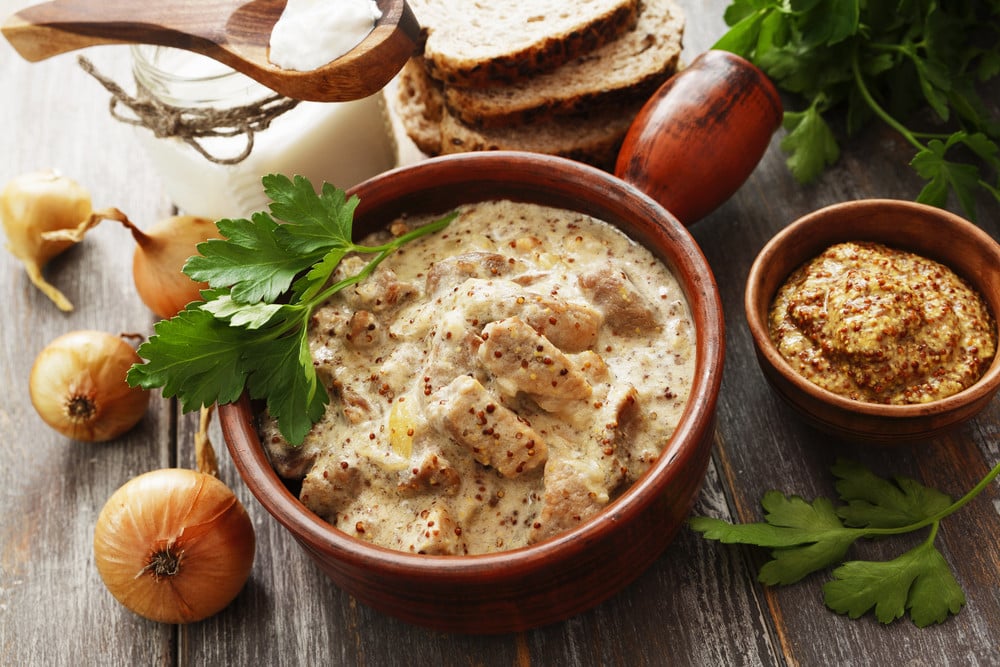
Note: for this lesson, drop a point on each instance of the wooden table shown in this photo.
(699, 604)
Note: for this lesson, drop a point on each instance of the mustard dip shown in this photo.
(881, 325)
(494, 384)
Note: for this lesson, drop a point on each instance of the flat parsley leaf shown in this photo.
(195, 357)
(879, 503)
(919, 581)
(251, 331)
(805, 537)
(249, 260)
(810, 142)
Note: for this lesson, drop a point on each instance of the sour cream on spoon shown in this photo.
(312, 33)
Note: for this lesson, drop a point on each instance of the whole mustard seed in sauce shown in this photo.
(882, 325)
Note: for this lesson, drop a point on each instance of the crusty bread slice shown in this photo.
(419, 105)
(631, 67)
(592, 138)
(481, 43)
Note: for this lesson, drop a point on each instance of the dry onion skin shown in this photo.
(78, 386)
(174, 545)
(35, 208)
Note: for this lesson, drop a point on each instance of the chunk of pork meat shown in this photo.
(455, 270)
(382, 291)
(432, 532)
(453, 353)
(363, 330)
(568, 500)
(576, 490)
(523, 360)
(473, 417)
(355, 406)
(627, 311)
(572, 327)
(433, 473)
(331, 484)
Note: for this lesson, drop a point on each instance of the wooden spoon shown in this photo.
(234, 32)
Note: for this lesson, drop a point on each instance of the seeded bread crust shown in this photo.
(477, 44)
(628, 69)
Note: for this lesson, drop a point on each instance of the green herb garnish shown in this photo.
(265, 280)
(887, 60)
(807, 537)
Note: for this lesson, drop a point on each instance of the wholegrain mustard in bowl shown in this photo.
(876, 319)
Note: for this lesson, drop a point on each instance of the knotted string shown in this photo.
(191, 124)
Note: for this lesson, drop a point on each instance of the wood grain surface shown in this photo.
(699, 604)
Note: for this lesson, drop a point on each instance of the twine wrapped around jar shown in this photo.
(191, 124)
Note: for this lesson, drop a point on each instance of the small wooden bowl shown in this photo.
(576, 570)
(924, 230)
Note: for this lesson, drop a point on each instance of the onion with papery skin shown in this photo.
(157, 266)
(78, 386)
(35, 204)
(174, 545)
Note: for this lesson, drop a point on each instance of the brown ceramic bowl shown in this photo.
(924, 230)
(576, 570)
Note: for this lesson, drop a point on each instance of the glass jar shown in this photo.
(342, 143)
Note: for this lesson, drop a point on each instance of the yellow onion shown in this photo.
(174, 545)
(158, 262)
(78, 386)
(40, 202)
(37, 202)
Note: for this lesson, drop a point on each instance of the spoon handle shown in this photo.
(46, 30)
(58, 26)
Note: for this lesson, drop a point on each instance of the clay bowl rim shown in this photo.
(535, 172)
(813, 233)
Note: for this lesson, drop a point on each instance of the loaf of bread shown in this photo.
(580, 110)
(485, 43)
(592, 138)
(631, 67)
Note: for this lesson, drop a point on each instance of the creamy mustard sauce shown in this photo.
(492, 384)
(882, 325)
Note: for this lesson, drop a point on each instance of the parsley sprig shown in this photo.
(807, 537)
(886, 60)
(265, 280)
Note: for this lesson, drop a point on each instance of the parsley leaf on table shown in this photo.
(874, 502)
(807, 537)
(265, 280)
(883, 60)
(919, 580)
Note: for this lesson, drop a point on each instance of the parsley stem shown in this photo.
(383, 251)
(933, 534)
(877, 108)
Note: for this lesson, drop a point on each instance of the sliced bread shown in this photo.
(631, 67)
(419, 105)
(592, 138)
(480, 43)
